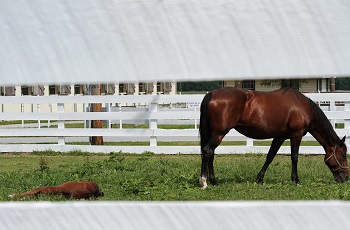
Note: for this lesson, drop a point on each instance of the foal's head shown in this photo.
(337, 161)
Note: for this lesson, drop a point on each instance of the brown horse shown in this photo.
(77, 190)
(281, 114)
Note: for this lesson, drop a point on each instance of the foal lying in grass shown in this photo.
(77, 190)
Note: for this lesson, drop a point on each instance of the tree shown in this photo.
(96, 107)
(342, 83)
(292, 83)
(198, 86)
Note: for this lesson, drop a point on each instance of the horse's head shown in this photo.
(337, 161)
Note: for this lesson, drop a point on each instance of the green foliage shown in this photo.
(151, 176)
(199, 86)
(43, 165)
(294, 83)
(342, 83)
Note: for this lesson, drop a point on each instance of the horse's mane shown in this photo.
(323, 123)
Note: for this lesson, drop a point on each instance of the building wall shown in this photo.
(311, 86)
(114, 89)
(67, 90)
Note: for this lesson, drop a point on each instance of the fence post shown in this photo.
(84, 110)
(22, 111)
(50, 110)
(60, 125)
(38, 110)
(195, 120)
(347, 121)
(153, 108)
(332, 108)
(120, 121)
(108, 108)
(250, 142)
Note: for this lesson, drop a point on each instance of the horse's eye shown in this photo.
(343, 154)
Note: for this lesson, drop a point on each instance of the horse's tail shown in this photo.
(204, 126)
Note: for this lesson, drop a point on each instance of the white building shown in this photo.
(314, 85)
(111, 89)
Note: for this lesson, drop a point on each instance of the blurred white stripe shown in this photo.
(175, 215)
(145, 40)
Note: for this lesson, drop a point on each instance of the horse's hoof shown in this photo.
(213, 182)
(296, 180)
(204, 186)
(259, 180)
(203, 183)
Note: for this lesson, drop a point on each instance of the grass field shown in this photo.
(170, 177)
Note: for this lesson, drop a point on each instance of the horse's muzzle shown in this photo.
(341, 177)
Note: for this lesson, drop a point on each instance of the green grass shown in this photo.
(170, 177)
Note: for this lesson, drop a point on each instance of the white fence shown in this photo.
(155, 109)
(205, 215)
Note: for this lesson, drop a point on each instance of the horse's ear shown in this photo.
(343, 140)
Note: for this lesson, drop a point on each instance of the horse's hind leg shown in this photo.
(208, 159)
(207, 153)
(31, 193)
(212, 179)
(275, 146)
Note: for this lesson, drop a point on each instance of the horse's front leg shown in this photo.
(294, 145)
(275, 146)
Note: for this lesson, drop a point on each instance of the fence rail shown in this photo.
(150, 109)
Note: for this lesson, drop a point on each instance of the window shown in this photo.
(142, 87)
(110, 89)
(53, 90)
(249, 84)
(38, 90)
(159, 87)
(26, 90)
(167, 87)
(131, 88)
(10, 91)
(78, 89)
(65, 89)
(149, 88)
(122, 88)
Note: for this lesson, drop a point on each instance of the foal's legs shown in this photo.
(208, 159)
(275, 146)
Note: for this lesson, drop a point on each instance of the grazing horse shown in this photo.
(77, 190)
(282, 114)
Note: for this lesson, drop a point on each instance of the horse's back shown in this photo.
(80, 190)
(283, 98)
(259, 115)
(225, 107)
